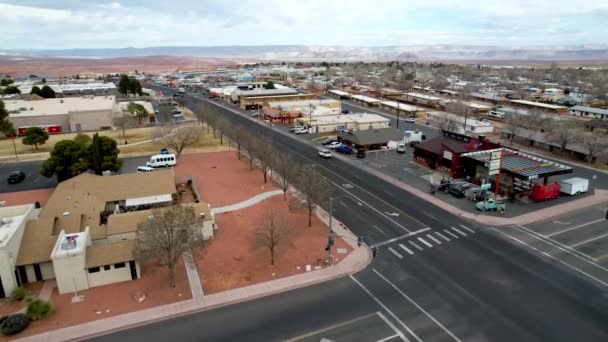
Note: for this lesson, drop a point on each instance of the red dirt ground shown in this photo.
(26, 197)
(221, 178)
(7, 307)
(231, 261)
(117, 298)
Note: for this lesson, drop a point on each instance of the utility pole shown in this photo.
(310, 118)
(330, 240)
(14, 146)
(398, 112)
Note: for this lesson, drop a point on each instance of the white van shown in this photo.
(497, 114)
(162, 160)
(141, 169)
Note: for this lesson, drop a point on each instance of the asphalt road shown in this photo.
(436, 278)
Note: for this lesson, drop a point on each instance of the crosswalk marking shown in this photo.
(451, 234)
(424, 242)
(467, 228)
(406, 249)
(433, 238)
(395, 252)
(415, 245)
(459, 231)
(442, 236)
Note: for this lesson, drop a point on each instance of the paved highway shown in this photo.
(436, 278)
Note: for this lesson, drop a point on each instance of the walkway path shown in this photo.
(247, 203)
(194, 279)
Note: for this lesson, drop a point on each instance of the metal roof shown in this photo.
(522, 164)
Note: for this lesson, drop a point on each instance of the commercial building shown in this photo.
(123, 110)
(71, 89)
(255, 98)
(589, 112)
(288, 111)
(443, 153)
(370, 139)
(402, 108)
(69, 114)
(533, 105)
(339, 94)
(85, 234)
(12, 226)
(455, 123)
(351, 122)
(370, 101)
(422, 99)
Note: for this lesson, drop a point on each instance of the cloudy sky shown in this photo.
(60, 24)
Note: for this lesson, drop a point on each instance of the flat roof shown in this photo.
(587, 109)
(402, 106)
(131, 202)
(424, 96)
(365, 98)
(339, 92)
(59, 106)
(538, 104)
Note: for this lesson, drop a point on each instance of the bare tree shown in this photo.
(264, 153)
(123, 122)
(315, 190)
(286, 170)
(222, 125)
(514, 124)
(594, 143)
(168, 234)
(239, 135)
(563, 133)
(180, 138)
(446, 123)
(272, 233)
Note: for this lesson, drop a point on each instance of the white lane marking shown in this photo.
(380, 230)
(374, 209)
(451, 234)
(409, 251)
(390, 324)
(550, 256)
(467, 228)
(590, 240)
(424, 242)
(575, 227)
(395, 252)
(458, 231)
(385, 308)
(400, 237)
(582, 256)
(433, 238)
(442, 236)
(417, 306)
(415, 245)
(429, 215)
(331, 327)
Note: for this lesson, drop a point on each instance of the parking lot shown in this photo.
(585, 231)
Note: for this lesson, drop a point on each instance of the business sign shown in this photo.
(494, 164)
(496, 155)
(447, 155)
(493, 172)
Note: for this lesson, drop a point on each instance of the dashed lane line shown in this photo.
(433, 238)
(409, 251)
(424, 242)
(458, 231)
(451, 234)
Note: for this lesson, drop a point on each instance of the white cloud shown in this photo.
(76, 24)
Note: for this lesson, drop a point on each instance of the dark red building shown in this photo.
(443, 153)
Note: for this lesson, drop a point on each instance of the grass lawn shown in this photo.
(131, 135)
(206, 143)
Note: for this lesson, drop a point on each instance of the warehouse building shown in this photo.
(589, 112)
(545, 107)
(63, 115)
(288, 111)
(349, 122)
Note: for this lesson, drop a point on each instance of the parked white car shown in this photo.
(302, 131)
(324, 154)
(334, 145)
(410, 120)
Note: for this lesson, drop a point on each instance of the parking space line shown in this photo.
(467, 228)
(575, 227)
(415, 245)
(590, 240)
(395, 252)
(433, 238)
(424, 242)
(385, 308)
(451, 234)
(459, 231)
(549, 256)
(399, 238)
(392, 326)
(442, 236)
(380, 230)
(406, 249)
(417, 306)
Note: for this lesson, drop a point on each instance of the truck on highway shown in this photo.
(574, 186)
(491, 205)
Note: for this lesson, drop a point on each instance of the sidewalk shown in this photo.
(599, 196)
(247, 203)
(356, 261)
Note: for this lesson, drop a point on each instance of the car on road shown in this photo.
(324, 154)
(491, 205)
(410, 120)
(334, 145)
(327, 141)
(456, 191)
(346, 111)
(401, 148)
(294, 129)
(143, 169)
(344, 149)
(302, 131)
(16, 177)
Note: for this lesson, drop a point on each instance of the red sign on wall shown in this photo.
(50, 129)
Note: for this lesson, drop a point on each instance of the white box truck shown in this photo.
(412, 137)
(574, 186)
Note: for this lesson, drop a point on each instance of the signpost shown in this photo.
(494, 168)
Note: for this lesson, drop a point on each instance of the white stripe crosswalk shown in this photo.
(434, 238)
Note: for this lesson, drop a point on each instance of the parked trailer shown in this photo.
(544, 192)
(574, 186)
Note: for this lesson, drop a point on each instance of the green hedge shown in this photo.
(14, 324)
(38, 308)
(18, 294)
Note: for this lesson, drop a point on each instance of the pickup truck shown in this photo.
(490, 205)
